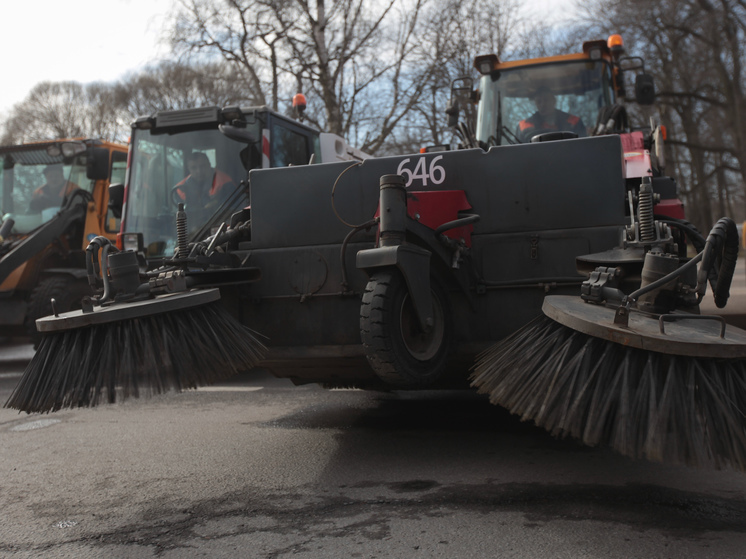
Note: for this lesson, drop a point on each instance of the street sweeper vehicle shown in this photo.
(53, 202)
(538, 270)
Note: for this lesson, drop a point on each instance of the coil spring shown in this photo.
(645, 216)
(181, 231)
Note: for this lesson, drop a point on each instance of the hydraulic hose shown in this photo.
(722, 242)
(696, 238)
(105, 273)
(609, 117)
(635, 295)
(91, 261)
(461, 222)
(343, 249)
(92, 267)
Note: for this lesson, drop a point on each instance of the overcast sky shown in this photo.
(95, 40)
(79, 40)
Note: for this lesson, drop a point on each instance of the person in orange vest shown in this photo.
(203, 186)
(53, 191)
(548, 118)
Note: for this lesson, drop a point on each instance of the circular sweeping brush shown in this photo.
(679, 396)
(667, 385)
(107, 354)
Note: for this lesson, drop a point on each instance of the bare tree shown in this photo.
(240, 32)
(694, 49)
(104, 110)
(172, 85)
(63, 110)
(452, 33)
(353, 57)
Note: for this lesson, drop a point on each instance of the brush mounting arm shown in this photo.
(621, 317)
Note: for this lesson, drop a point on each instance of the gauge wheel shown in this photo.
(67, 292)
(397, 348)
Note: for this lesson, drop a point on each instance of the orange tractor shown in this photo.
(567, 96)
(53, 200)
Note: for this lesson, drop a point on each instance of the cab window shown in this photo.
(118, 167)
(288, 147)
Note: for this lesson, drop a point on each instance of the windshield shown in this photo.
(518, 103)
(200, 168)
(35, 184)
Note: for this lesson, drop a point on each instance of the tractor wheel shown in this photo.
(67, 292)
(398, 350)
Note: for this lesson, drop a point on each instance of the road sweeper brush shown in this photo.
(139, 338)
(639, 371)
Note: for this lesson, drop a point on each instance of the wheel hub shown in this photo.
(420, 344)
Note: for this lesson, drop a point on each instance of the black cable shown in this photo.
(348, 237)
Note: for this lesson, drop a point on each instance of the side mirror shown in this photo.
(462, 89)
(452, 111)
(644, 89)
(97, 164)
(239, 134)
(116, 199)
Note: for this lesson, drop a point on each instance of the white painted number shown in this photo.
(404, 172)
(437, 169)
(436, 173)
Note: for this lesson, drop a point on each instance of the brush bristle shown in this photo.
(643, 404)
(138, 357)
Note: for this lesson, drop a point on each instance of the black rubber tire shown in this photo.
(67, 292)
(399, 352)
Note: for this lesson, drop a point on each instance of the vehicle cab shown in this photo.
(582, 87)
(584, 95)
(231, 141)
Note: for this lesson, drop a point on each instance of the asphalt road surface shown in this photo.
(258, 468)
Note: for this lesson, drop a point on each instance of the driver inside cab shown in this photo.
(548, 118)
(204, 185)
(53, 191)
